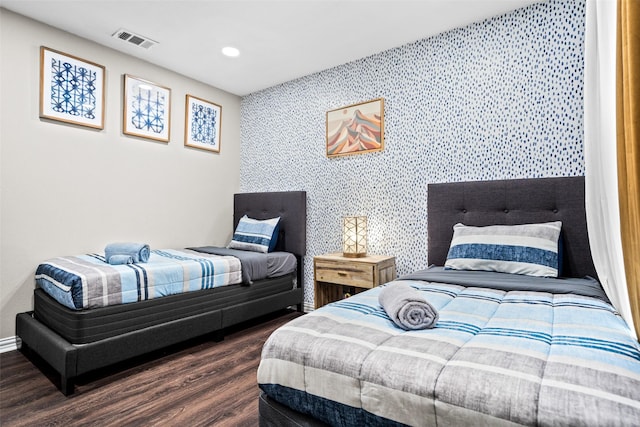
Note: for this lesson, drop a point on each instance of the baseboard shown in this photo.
(9, 344)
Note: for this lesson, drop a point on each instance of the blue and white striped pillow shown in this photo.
(255, 235)
(530, 249)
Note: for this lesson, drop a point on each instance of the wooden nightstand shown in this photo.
(335, 275)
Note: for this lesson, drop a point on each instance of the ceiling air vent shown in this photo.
(136, 39)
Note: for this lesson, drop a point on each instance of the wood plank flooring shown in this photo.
(200, 383)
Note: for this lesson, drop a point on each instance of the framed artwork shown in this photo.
(71, 89)
(355, 129)
(147, 109)
(203, 120)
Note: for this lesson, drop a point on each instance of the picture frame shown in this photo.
(202, 124)
(146, 109)
(72, 89)
(356, 128)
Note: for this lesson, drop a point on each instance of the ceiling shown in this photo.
(279, 40)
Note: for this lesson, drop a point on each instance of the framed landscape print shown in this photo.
(355, 129)
(147, 109)
(203, 120)
(71, 89)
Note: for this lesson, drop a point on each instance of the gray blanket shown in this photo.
(254, 264)
(587, 286)
(407, 307)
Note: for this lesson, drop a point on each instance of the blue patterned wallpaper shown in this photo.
(494, 100)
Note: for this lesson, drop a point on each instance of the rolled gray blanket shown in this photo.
(139, 252)
(406, 307)
(120, 259)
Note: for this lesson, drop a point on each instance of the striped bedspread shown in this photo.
(88, 281)
(495, 358)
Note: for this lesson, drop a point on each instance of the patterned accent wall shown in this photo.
(494, 100)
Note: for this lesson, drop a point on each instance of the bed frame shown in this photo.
(239, 302)
(481, 203)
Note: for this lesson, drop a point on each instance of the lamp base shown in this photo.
(354, 255)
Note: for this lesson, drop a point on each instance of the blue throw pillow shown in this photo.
(530, 249)
(256, 235)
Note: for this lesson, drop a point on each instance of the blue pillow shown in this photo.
(256, 235)
(530, 249)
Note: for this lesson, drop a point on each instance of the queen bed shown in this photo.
(507, 349)
(78, 326)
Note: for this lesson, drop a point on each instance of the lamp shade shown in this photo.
(354, 236)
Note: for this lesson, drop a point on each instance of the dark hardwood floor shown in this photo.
(200, 383)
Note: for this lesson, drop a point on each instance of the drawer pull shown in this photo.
(340, 273)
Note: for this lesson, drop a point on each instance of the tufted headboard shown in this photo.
(290, 206)
(517, 201)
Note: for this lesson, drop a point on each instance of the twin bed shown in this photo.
(507, 349)
(89, 314)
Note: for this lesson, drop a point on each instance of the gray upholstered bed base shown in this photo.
(518, 201)
(72, 360)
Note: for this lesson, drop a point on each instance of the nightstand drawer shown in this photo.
(345, 273)
(336, 275)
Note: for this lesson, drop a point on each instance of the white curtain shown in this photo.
(603, 217)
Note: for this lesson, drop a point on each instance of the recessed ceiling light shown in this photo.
(230, 51)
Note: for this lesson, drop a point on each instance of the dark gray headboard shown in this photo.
(517, 201)
(290, 206)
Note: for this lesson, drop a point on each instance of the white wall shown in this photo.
(68, 190)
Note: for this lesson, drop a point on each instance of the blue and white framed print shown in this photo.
(203, 121)
(71, 89)
(147, 109)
